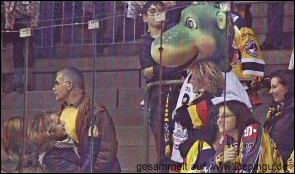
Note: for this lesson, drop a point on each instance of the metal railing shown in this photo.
(146, 113)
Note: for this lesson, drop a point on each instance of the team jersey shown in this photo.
(180, 135)
(257, 153)
(186, 94)
(197, 157)
(290, 163)
(251, 62)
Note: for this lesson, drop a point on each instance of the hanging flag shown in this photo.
(186, 94)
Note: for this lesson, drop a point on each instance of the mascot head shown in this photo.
(200, 35)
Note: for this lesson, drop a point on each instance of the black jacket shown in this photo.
(280, 126)
(61, 160)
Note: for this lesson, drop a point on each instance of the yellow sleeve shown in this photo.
(251, 56)
(290, 163)
(189, 161)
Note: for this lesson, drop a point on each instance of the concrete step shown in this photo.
(85, 63)
(288, 39)
(103, 80)
(259, 24)
(132, 136)
(276, 59)
(121, 116)
(260, 10)
(132, 158)
(129, 97)
(112, 72)
(46, 99)
(87, 50)
(272, 68)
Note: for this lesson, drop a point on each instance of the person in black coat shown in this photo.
(280, 117)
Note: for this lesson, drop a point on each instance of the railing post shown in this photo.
(146, 114)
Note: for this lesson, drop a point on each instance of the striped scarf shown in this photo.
(67, 143)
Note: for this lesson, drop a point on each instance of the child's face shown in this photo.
(152, 11)
(59, 129)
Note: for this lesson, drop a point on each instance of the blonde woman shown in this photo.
(207, 82)
(12, 146)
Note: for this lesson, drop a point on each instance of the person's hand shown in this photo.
(148, 73)
(230, 155)
(168, 151)
(95, 131)
(198, 171)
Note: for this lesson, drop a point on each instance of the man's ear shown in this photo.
(70, 85)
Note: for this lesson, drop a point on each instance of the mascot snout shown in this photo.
(200, 35)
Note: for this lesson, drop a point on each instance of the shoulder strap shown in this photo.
(200, 147)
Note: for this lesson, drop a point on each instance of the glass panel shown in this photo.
(120, 71)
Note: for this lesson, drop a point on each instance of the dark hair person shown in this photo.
(280, 117)
(252, 149)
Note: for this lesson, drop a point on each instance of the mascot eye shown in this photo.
(191, 23)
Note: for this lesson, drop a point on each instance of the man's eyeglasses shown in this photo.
(56, 83)
(223, 116)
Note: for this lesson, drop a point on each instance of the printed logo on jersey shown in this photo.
(252, 48)
(248, 147)
(250, 132)
(185, 99)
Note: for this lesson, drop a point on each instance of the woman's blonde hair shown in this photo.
(42, 130)
(212, 78)
(14, 130)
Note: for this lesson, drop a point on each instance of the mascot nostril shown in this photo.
(200, 35)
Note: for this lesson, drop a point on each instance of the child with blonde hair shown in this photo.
(57, 151)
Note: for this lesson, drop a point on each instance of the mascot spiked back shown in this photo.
(200, 35)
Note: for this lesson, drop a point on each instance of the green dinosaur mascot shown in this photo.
(200, 35)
